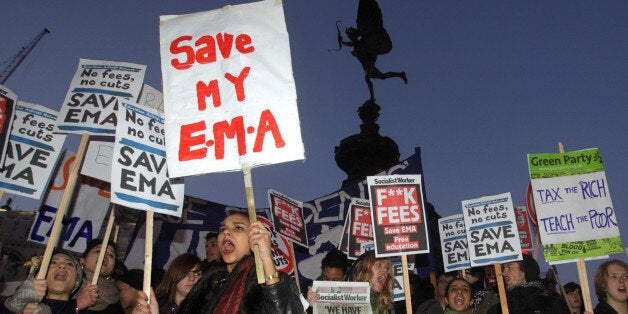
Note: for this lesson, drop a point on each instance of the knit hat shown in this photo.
(530, 268)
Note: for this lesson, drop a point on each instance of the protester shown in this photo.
(333, 268)
(458, 296)
(235, 289)
(524, 292)
(108, 300)
(574, 298)
(212, 252)
(378, 273)
(182, 274)
(133, 280)
(53, 294)
(438, 303)
(611, 287)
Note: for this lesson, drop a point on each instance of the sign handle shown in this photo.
(406, 283)
(148, 253)
(501, 288)
(104, 245)
(63, 207)
(250, 201)
(294, 262)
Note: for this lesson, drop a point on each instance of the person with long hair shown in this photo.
(108, 295)
(182, 274)
(378, 273)
(573, 295)
(233, 288)
(611, 287)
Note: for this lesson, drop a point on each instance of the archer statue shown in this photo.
(369, 40)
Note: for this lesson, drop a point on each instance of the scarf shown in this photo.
(108, 292)
(235, 291)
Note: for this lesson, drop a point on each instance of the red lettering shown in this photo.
(207, 52)
(224, 129)
(267, 123)
(224, 44)
(187, 50)
(238, 82)
(241, 41)
(187, 141)
(210, 90)
(206, 48)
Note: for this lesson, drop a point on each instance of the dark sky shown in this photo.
(488, 82)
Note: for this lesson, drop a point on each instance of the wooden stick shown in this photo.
(63, 207)
(116, 232)
(406, 283)
(250, 201)
(104, 245)
(148, 253)
(294, 262)
(501, 288)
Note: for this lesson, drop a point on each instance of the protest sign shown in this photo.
(139, 176)
(83, 221)
(575, 213)
(97, 161)
(32, 152)
(453, 241)
(492, 234)
(398, 215)
(287, 217)
(152, 98)
(336, 297)
(524, 228)
(229, 94)
(398, 281)
(7, 106)
(91, 103)
(360, 227)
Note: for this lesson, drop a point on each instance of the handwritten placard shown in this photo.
(229, 94)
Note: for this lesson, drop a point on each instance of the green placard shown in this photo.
(565, 164)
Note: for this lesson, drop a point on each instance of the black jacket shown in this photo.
(282, 297)
(530, 298)
(604, 308)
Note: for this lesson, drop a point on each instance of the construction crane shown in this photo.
(20, 56)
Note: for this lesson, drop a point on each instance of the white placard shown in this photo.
(32, 152)
(492, 234)
(229, 94)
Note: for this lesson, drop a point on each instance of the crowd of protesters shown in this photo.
(226, 282)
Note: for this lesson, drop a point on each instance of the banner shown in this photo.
(287, 216)
(492, 234)
(341, 297)
(7, 107)
(398, 213)
(229, 94)
(360, 227)
(324, 216)
(85, 215)
(32, 152)
(453, 241)
(574, 210)
(91, 103)
(139, 175)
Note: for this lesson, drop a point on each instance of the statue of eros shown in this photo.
(369, 40)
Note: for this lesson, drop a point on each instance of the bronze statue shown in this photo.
(369, 40)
